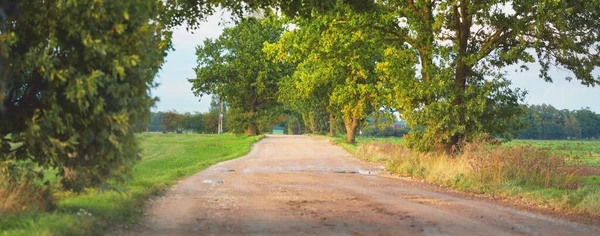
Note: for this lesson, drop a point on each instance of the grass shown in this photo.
(537, 172)
(585, 153)
(166, 158)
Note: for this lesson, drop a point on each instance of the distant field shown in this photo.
(586, 153)
(166, 158)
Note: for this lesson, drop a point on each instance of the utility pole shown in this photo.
(220, 129)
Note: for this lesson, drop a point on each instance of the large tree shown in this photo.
(235, 68)
(462, 46)
(75, 80)
(172, 121)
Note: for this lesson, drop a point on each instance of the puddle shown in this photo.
(367, 172)
(212, 181)
(344, 172)
(228, 170)
(359, 171)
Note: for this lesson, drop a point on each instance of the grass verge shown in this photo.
(539, 176)
(166, 158)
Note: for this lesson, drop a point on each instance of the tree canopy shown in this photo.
(457, 52)
(336, 68)
(460, 48)
(546, 122)
(235, 68)
(75, 79)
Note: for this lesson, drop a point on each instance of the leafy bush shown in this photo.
(18, 190)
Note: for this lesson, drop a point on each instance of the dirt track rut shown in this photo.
(298, 185)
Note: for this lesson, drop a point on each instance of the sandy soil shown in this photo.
(298, 185)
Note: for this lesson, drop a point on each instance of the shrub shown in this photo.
(21, 191)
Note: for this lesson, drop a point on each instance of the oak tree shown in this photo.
(234, 67)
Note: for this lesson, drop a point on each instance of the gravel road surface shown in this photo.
(298, 185)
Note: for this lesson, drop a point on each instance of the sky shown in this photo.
(175, 91)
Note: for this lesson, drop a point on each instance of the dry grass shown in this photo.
(525, 165)
(536, 175)
(480, 167)
(24, 196)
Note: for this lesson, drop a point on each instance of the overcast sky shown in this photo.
(175, 91)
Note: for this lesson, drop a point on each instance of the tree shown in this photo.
(552, 122)
(235, 68)
(311, 106)
(155, 121)
(171, 121)
(533, 126)
(76, 77)
(572, 129)
(589, 122)
(546, 122)
(193, 122)
(336, 69)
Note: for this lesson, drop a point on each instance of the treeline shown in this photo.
(547, 122)
(330, 78)
(173, 121)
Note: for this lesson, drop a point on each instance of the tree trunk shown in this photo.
(72, 179)
(306, 123)
(313, 125)
(290, 128)
(251, 130)
(351, 124)
(463, 23)
(331, 125)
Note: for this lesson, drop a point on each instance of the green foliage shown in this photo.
(193, 122)
(20, 190)
(546, 122)
(336, 69)
(186, 122)
(234, 67)
(166, 158)
(384, 128)
(76, 78)
(171, 121)
(447, 57)
(155, 120)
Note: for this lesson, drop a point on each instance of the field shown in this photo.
(581, 153)
(166, 158)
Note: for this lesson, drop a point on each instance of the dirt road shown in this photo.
(297, 185)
